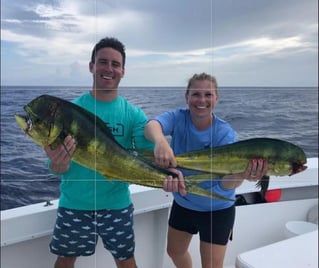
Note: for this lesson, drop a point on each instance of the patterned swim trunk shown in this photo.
(76, 232)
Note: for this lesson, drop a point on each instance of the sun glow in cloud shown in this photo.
(162, 37)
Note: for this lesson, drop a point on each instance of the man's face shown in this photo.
(108, 69)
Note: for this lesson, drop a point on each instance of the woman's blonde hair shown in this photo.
(201, 77)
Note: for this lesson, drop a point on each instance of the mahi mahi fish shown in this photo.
(284, 158)
(50, 119)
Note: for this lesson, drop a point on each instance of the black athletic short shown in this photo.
(213, 226)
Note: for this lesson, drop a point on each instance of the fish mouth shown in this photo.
(29, 124)
(297, 166)
(25, 122)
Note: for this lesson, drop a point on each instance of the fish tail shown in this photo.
(263, 184)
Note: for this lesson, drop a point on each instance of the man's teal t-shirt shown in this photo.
(85, 189)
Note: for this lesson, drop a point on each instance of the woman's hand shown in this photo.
(256, 169)
(176, 184)
(164, 155)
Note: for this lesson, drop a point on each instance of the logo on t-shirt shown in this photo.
(117, 129)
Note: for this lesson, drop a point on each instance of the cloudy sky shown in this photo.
(241, 42)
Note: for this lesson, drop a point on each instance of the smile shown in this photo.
(107, 77)
(201, 107)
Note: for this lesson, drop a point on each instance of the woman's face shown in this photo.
(202, 98)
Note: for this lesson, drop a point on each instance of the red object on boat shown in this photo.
(273, 195)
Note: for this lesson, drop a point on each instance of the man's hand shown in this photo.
(61, 156)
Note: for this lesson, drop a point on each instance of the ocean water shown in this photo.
(285, 113)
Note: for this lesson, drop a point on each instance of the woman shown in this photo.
(195, 128)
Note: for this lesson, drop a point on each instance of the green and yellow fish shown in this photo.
(284, 158)
(49, 119)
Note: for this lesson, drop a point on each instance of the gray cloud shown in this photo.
(237, 40)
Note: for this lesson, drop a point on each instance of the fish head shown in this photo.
(298, 161)
(40, 122)
(296, 157)
(298, 166)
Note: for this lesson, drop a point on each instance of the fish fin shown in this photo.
(263, 184)
(143, 153)
(193, 189)
(201, 177)
(192, 181)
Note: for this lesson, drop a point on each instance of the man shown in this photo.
(90, 205)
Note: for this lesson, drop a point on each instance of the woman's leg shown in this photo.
(212, 255)
(177, 247)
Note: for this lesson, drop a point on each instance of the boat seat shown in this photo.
(298, 251)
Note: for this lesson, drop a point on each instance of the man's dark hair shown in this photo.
(109, 42)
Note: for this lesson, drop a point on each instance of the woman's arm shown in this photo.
(163, 153)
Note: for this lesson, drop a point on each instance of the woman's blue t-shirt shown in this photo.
(184, 138)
